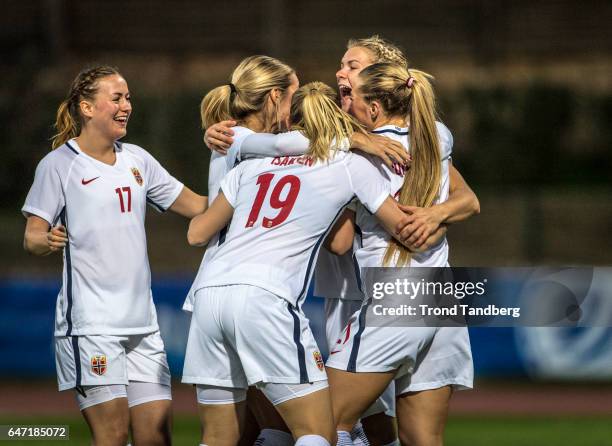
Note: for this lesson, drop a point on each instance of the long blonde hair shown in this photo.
(408, 93)
(381, 49)
(315, 113)
(247, 91)
(68, 121)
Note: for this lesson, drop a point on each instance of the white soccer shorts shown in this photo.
(424, 357)
(446, 362)
(104, 359)
(337, 314)
(242, 335)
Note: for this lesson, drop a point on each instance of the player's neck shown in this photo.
(254, 122)
(398, 121)
(98, 148)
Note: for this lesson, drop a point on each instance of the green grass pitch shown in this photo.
(461, 431)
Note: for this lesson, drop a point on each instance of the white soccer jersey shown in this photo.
(335, 276)
(106, 287)
(372, 239)
(284, 207)
(219, 166)
(247, 144)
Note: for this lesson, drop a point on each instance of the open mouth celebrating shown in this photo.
(345, 91)
(345, 97)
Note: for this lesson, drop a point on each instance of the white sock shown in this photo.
(273, 437)
(358, 435)
(393, 443)
(344, 439)
(311, 440)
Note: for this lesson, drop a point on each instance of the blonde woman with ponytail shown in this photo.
(257, 96)
(425, 366)
(248, 328)
(88, 200)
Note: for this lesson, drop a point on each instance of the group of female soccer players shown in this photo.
(289, 198)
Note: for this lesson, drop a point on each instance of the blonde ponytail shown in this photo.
(314, 111)
(409, 94)
(424, 143)
(65, 125)
(215, 106)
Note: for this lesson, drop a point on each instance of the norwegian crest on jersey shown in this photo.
(318, 360)
(98, 364)
(137, 175)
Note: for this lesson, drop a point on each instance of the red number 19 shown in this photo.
(285, 206)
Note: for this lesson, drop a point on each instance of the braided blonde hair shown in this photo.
(381, 49)
(68, 121)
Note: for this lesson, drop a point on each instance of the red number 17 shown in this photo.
(128, 191)
(285, 206)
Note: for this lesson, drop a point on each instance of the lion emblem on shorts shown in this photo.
(98, 364)
(137, 175)
(318, 359)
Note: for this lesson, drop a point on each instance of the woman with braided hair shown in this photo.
(89, 200)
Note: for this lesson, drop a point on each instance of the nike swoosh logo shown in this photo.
(85, 182)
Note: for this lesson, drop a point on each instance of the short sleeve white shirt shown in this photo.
(106, 287)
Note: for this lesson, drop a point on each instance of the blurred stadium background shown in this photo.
(525, 87)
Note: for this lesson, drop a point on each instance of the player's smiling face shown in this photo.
(111, 107)
(354, 60)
